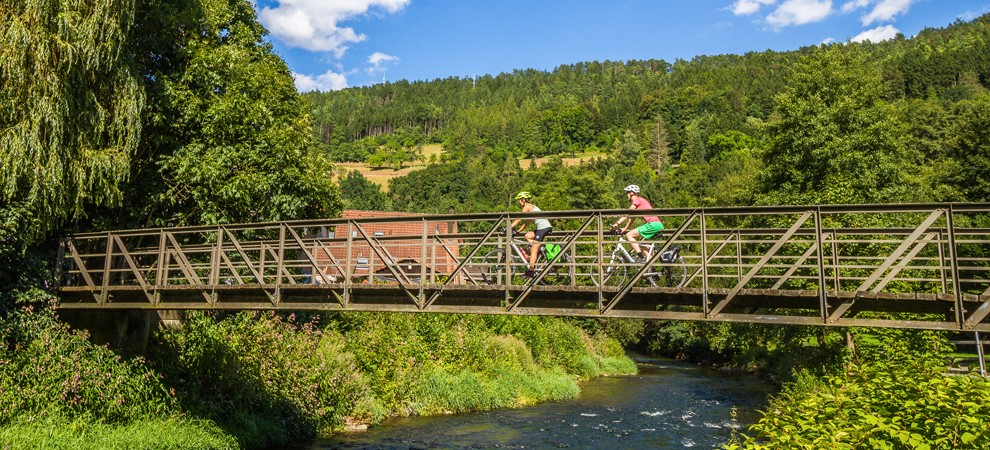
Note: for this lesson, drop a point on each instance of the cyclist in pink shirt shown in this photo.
(651, 228)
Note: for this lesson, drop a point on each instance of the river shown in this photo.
(668, 404)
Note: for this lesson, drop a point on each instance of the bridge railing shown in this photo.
(835, 259)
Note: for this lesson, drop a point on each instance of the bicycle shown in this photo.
(669, 270)
(493, 266)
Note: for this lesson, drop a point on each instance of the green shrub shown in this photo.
(442, 363)
(264, 379)
(557, 343)
(879, 406)
(48, 370)
(898, 396)
(58, 390)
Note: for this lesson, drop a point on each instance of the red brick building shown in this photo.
(400, 243)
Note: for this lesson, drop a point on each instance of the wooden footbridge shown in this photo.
(906, 266)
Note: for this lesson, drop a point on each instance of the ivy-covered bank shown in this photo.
(258, 379)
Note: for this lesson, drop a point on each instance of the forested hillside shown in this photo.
(899, 121)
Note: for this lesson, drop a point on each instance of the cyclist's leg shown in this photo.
(537, 241)
(633, 236)
(648, 231)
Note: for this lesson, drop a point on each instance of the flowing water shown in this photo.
(668, 404)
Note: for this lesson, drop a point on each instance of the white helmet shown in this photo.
(632, 188)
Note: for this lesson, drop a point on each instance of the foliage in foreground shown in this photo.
(266, 380)
(85, 433)
(58, 390)
(879, 406)
(257, 379)
(897, 396)
(47, 370)
(427, 364)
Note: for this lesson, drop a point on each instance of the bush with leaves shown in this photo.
(265, 379)
(58, 390)
(879, 406)
(897, 396)
(46, 370)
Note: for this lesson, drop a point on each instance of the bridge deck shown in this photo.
(914, 266)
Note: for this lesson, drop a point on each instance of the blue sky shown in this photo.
(333, 44)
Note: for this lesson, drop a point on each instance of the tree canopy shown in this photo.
(127, 114)
(70, 110)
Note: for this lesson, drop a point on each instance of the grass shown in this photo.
(381, 176)
(568, 161)
(88, 433)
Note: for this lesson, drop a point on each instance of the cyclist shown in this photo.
(543, 228)
(651, 228)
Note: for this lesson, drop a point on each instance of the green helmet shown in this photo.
(524, 194)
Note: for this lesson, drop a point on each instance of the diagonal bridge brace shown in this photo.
(460, 266)
(247, 261)
(981, 311)
(83, 271)
(539, 277)
(185, 266)
(316, 265)
(400, 277)
(759, 265)
(134, 268)
(646, 266)
(910, 240)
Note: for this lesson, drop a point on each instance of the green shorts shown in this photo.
(649, 229)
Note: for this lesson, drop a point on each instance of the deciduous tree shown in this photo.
(70, 110)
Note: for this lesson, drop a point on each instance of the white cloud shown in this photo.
(877, 34)
(853, 5)
(886, 10)
(315, 24)
(827, 41)
(329, 81)
(378, 59)
(799, 12)
(747, 7)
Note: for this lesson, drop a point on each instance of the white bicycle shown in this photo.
(668, 271)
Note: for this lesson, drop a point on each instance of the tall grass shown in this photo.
(427, 364)
(83, 432)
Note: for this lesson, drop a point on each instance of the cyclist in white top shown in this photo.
(543, 228)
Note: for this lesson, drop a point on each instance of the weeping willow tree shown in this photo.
(70, 110)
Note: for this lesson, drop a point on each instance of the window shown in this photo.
(379, 233)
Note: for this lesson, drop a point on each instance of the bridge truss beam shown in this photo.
(905, 266)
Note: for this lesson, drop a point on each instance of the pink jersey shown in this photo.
(642, 203)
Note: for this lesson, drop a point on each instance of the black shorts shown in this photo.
(541, 233)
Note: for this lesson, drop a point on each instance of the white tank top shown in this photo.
(540, 223)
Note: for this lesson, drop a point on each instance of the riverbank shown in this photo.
(254, 380)
(666, 404)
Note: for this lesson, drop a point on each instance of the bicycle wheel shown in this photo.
(674, 273)
(493, 267)
(614, 273)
